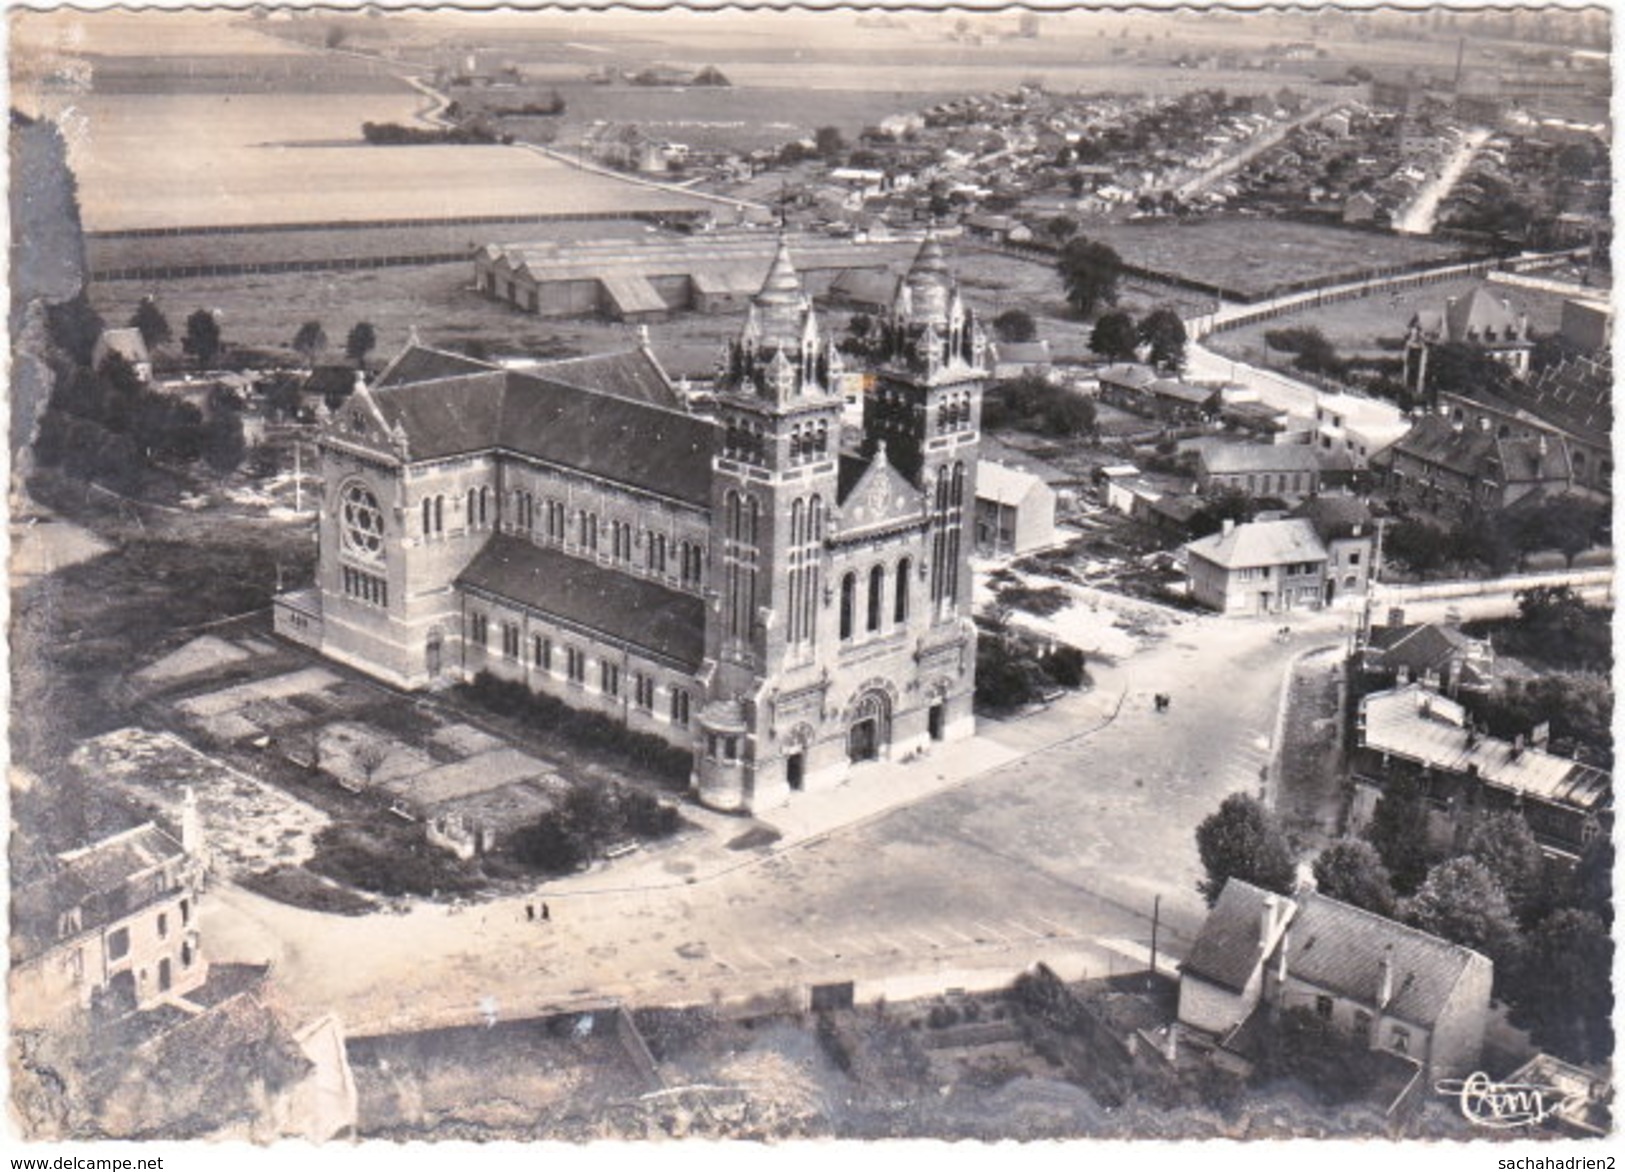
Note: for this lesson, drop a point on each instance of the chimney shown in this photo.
(1266, 921)
(1229, 526)
(1385, 978)
(360, 380)
(1396, 616)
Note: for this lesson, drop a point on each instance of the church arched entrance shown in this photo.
(869, 734)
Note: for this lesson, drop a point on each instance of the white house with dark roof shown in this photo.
(1379, 982)
(739, 584)
(1261, 567)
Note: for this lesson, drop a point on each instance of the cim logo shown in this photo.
(1503, 1105)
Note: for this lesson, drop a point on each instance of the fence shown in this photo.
(1584, 582)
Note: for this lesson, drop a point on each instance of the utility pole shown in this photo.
(298, 479)
(1156, 917)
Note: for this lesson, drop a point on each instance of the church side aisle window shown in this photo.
(363, 587)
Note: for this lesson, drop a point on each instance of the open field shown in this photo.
(110, 255)
(265, 311)
(1355, 327)
(263, 159)
(1255, 256)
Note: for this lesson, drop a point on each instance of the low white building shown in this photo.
(1015, 511)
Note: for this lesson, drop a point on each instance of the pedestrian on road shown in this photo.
(546, 914)
(530, 911)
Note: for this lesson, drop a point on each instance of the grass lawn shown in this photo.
(265, 311)
(1357, 327)
(1253, 256)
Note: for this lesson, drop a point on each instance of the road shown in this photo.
(1418, 216)
(1055, 852)
(1255, 146)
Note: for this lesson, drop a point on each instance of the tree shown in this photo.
(828, 141)
(1399, 831)
(362, 340)
(1115, 337)
(1351, 870)
(151, 322)
(310, 341)
(1060, 228)
(1562, 993)
(1227, 504)
(1460, 901)
(1506, 847)
(223, 443)
(1015, 325)
(1164, 332)
(202, 337)
(1243, 841)
(1461, 366)
(1090, 271)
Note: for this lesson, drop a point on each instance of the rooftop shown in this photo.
(1232, 943)
(1261, 543)
(1421, 726)
(1341, 948)
(633, 611)
(1229, 459)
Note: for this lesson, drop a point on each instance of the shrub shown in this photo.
(591, 730)
(1036, 600)
(1064, 664)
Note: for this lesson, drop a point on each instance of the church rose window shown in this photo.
(362, 521)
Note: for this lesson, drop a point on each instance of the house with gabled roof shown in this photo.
(1436, 655)
(1260, 567)
(1378, 982)
(114, 922)
(1444, 467)
(740, 584)
(1479, 319)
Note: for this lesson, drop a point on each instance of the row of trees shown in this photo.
(204, 341)
(1498, 542)
(1118, 338)
(1545, 927)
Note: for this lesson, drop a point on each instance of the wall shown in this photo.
(1209, 1007)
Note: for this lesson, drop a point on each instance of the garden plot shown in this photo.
(310, 679)
(1097, 622)
(473, 775)
(247, 825)
(205, 653)
(465, 740)
(359, 755)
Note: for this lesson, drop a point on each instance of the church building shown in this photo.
(784, 601)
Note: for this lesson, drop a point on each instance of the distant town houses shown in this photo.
(1378, 983)
(1447, 468)
(1568, 405)
(1464, 774)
